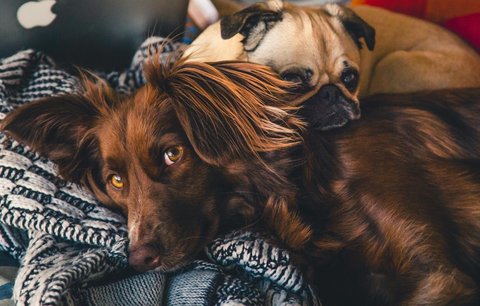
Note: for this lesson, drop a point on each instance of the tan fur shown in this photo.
(410, 54)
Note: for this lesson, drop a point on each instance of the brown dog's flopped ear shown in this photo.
(59, 128)
(253, 23)
(355, 26)
(228, 109)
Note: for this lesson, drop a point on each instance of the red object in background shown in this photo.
(409, 7)
(467, 27)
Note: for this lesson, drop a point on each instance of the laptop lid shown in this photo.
(96, 34)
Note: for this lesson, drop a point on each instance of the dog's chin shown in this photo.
(324, 115)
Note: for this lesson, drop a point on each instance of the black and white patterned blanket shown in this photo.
(69, 245)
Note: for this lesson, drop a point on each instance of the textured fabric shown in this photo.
(196, 285)
(73, 251)
(252, 257)
(144, 289)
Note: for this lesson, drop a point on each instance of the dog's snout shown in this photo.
(330, 108)
(144, 258)
(330, 93)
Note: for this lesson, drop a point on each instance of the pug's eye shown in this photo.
(349, 78)
(173, 155)
(299, 76)
(116, 181)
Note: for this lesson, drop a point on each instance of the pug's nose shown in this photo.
(330, 93)
(144, 258)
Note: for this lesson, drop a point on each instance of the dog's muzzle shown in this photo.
(329, 108)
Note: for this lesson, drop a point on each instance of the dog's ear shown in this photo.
(355, 26)
(252, 22)
(228, 109)
(59, 127)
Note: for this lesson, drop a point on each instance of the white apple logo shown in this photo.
(36, 14)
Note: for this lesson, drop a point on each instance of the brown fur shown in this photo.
(216, 112)
(393, 203)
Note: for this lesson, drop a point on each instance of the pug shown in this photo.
(337, 54)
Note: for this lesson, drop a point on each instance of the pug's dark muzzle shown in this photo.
(329, 108)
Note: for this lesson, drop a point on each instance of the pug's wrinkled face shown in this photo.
(317, 48)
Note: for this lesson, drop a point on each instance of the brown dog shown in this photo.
(180, 158)
(339, 54)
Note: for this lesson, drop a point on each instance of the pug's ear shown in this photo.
(355, 26)
(253, 23)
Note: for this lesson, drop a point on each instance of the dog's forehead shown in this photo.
(133, 139)
(139, 124)
(306, 39)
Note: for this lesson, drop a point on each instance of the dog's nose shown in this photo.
(331, 93)
(144, 258)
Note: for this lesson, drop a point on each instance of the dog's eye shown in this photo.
(292, 77)
(172, 155)
(299, 76)
(116, 181)
(349, 78)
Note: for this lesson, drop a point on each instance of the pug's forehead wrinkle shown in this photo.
(333, 37)
(326, 31)
(288, 51)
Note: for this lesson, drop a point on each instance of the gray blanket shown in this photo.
(73, 251)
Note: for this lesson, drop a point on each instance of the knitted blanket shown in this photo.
(73, 251)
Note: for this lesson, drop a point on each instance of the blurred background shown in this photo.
(104, 34)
